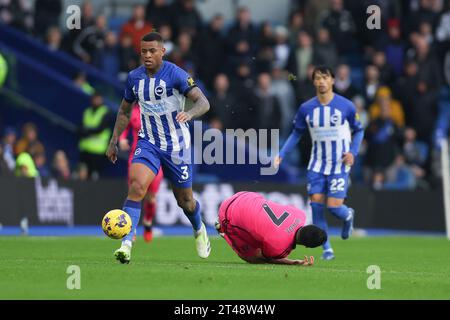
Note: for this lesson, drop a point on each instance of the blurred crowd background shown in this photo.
(256, 75)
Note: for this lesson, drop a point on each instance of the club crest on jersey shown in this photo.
(335, 118)
(159, 91)
(137, 152)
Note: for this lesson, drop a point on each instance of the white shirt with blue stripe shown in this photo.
(331, 129)
(160, 98)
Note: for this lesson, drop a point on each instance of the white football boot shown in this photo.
(202, 242)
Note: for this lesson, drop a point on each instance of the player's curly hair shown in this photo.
(311, 236)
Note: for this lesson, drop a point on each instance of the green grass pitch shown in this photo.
(168, 268)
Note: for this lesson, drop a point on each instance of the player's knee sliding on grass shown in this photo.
(164, 140)
(336, 134)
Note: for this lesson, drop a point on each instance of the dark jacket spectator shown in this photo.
(241, 39)
(224, 113)
(157, 13)
(325, 52)
(91, 40)
(268, 105)
(341, 26)
(186, 18)
(212, 51)
(46, 14)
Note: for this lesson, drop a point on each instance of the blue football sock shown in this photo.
(133, 208)
(319, 220)
(341, 212)
(194, 217)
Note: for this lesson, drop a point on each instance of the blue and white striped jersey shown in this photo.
(160, 98)
(331, 129)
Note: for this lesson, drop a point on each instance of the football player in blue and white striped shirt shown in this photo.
(336, 134)
(160, 88)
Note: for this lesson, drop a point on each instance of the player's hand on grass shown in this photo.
(112, 151)
(277, 161)
(183, 117)
(348, 159)
(124, 145)
(307, 261)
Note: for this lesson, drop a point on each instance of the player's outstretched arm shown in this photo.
(307, 261)
(200, 106)
(122, 120)
(259, 258)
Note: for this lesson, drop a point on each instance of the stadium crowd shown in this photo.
(256, 75)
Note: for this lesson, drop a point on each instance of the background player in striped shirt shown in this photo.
(263, 231)
(149, 205)
(331, 119)
(160, 88)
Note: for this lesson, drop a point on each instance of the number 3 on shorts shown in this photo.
(185, 174)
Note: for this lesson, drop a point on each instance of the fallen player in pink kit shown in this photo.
(262, 231)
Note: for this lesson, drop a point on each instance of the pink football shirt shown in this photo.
(251, 222)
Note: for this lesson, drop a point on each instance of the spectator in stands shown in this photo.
(360, 105)
(267, 104)
(341, 26)
(9, 140)
(183, 52)
(295, 26)
(243, 85)
(25, 166)
(385, 70)
(285, 93)
(241, 38)
(17, 14)
(399, 176)
(128, 58)
(82, 172)
(137, 27)
(395, 47)
(429, 70)
(53, 38)
(224, 111)
(428, 11)
(305, 89)
(4, 166)
(325, 52)
(406, 89)
(46, 15)
(343, 82)
(266, 36)
(94, 135)
(157, 13)
(87, 20)
(372, 83)
(265, 54)
(415, 153)
(60, 166)
(384, 139)
(281, 49)
(40, 161)
(384, 98)
(165, 30)
(29, 142)
(212, 50)
(107, 58)
(186, 18)
(81, 82)
(91, 40)
(302, 56)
